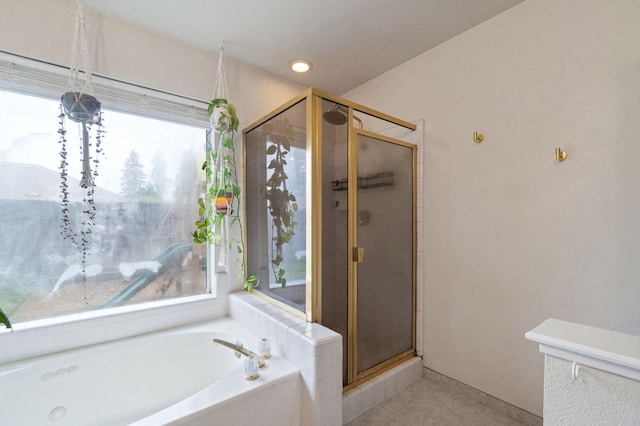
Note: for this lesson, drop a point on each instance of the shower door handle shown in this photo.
(358, 254)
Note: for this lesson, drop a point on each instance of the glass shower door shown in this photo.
(384, 255)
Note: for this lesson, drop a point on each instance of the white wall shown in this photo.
(43, 29)
(512, 237)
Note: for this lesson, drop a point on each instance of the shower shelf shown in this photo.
(375, 180)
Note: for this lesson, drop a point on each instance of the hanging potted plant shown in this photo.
(80, 107)
(220, 206)
(220, 173)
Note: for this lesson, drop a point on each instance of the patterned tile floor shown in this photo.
(426, 402)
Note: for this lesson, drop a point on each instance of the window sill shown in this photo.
(42, 337)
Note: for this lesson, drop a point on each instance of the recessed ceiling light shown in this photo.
(300, 65)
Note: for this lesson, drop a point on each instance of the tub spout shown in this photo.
(241, 350)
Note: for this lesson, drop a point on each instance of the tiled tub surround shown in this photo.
(591, 375)
(173, 377)
(315, 350)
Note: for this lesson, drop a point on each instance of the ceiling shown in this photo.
(348, 41)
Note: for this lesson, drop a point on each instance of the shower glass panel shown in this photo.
(335, 260)
(276, 163)
(385, 238)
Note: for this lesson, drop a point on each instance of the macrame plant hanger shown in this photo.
(80, 106)
(223, 171)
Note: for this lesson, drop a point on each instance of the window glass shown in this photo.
(140, 249)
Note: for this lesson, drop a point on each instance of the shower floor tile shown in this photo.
(426, 402)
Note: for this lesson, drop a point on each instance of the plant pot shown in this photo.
(220, 117)
(223, 203)
(81, 107)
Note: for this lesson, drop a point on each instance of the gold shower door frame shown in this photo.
(354, 377)
(313, 305)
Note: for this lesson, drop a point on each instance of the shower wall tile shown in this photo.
(390, 383)
(368, 396)
(353, 406)
(378, 389)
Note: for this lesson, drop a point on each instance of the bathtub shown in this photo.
(172, 377)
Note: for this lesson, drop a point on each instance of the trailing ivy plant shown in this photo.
(281, 202)
(220, 204)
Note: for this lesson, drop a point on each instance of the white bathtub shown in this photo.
(173, 377)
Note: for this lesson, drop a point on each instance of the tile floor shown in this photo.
(427, 402)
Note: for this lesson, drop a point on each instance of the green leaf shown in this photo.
(218, 101)
(227, 143)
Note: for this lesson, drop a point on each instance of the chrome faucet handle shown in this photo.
(240, 345)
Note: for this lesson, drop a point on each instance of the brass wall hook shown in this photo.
(478, 137)
(560, 155)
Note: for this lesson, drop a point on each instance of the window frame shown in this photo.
(33, 77)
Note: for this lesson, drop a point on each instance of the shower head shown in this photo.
(335, 116)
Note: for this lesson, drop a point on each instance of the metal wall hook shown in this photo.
(478, 137)
(560, 155)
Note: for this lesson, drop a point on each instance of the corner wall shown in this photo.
(511, 236)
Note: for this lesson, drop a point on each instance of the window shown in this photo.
(145, 196)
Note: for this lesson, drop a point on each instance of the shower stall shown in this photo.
(330, 224)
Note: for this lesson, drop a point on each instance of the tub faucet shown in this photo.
(241, 350)
(5, 320)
